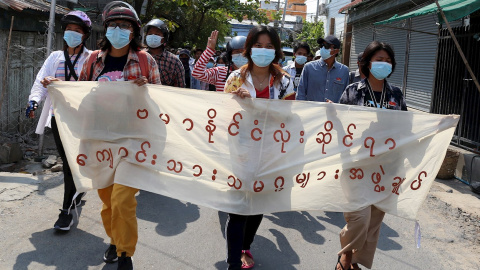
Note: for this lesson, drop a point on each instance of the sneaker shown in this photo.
(110, 255)
(65, 220)
(124, 262)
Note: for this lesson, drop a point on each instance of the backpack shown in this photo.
(142, 57)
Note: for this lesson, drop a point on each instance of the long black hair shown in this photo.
(275, 70)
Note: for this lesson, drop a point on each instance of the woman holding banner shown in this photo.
(260, 78)
(359, 237)
(62, 66)
(120, 59)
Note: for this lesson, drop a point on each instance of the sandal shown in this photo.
(249, 254)
(338, 262)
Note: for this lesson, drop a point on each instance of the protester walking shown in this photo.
(357, 75)
(215, 75)
(62, 65)
(360, 235)
(324, 80)
(170, 67)
(301, 52)
(260, 78)
(120, 58)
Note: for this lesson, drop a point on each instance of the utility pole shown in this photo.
(284, 12)
(275, 23)
(318, 7)
(51, 25)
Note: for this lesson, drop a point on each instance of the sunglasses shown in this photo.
(327, 46)
(121, 25)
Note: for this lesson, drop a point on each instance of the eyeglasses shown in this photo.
(121, 25)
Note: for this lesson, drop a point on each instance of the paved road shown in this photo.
(179, 235)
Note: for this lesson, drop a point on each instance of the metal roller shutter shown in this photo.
(362, 36)
(398, 39)
(421, 66)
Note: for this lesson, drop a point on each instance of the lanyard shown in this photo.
(70, 66)
(382, 97)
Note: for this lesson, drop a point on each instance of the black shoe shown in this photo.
(65, 220)
(110, 255)
(124, 262)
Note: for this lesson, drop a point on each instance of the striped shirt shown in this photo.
(60, 72)
(216, 76)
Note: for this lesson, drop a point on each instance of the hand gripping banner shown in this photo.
(249, 156)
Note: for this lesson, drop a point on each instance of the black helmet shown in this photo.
(160, 25)
(79, 18)
(120, 10)
(235, 43)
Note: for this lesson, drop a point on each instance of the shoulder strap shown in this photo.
(91, 61)
(142, 57)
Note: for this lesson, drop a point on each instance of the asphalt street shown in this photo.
(179, 235)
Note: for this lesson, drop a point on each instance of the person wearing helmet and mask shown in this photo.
(62, 65)
(170, 67)
(120, 59)
(301, 51)
(218, 75)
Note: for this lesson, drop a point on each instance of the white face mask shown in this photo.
(154, 41)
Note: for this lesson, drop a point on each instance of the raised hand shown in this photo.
(212, 40)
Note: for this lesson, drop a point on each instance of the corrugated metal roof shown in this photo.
(40, 5)
(352, 4)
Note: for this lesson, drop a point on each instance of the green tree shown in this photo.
(192, 21)
(311, 31)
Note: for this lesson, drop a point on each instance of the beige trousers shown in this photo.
(361, 233)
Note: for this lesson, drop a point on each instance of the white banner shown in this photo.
(249, 156)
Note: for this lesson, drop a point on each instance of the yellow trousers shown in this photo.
(119, 217)
(361, 233)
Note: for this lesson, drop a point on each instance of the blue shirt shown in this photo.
(317, 83)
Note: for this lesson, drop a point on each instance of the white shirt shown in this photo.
(39, 93)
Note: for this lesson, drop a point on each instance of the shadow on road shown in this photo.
(305, 223)
(334, 218)
(171, 215)
(268, 256)
(385, 242)
(68, 247)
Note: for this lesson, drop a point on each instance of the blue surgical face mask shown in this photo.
(381, 70)
(220, 65)
(209, 65)
(153, 41)
(118, 37)
(300, 59)
(72, 38)
(239, 60)
(325, 53)
(262, 57)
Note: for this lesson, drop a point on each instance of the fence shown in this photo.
(455, 92)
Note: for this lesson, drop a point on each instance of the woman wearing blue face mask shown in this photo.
(259, 78)
(120, 59)
(359, 237)
(62, 66)
(301, 51)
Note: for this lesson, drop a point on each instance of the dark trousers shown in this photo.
(69, 186)
(240, 232)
